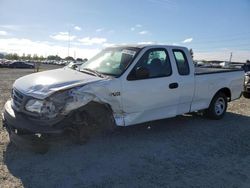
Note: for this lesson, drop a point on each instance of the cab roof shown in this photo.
(140, 46)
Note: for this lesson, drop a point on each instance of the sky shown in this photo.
(213, 29)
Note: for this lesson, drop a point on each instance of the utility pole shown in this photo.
(68, 42)
(231, 55)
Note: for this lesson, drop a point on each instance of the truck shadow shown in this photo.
(137, 154)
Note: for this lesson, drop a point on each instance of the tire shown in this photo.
(246, 95)
(217, 107)
(92, 120)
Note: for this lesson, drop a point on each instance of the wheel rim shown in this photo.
(220, 106)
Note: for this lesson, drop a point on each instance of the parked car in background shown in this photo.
(21, 64)
(76, 64)
(246, 67)
(199, 64)
(246, 92)
(225, 64)
(4, 63)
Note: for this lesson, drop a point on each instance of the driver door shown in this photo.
(154, 96)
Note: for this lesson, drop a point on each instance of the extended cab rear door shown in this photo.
(155, 96)
(185, 78)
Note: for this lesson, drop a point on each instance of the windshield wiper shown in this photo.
(95, 72)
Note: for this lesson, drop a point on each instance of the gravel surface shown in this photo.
(186, 151)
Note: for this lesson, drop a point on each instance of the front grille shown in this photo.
(18, 99)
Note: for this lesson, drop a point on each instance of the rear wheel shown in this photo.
(217, 107)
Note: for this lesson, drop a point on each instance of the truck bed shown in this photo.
(208, 70)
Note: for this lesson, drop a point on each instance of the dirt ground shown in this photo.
(186, 151)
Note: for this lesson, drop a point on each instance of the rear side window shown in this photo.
(181, 62)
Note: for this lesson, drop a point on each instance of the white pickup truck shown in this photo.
(120, 86)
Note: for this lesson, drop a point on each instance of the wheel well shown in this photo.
(92, 106)
(225, 91)
(95, 109)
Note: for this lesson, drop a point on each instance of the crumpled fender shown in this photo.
(100, 92)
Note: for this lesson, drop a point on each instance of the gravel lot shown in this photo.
(186, 151)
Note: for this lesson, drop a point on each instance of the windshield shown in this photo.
(111, 61)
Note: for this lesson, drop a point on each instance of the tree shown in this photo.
(79, 59)
(54, 57)
(23, 57)
(12, 56)
(51, 57)
(28, 57)
(15, 56)
(69, 58)
(2, 55)
(41, 58)
(35, 57)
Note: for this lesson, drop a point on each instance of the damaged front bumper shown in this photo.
(26, 133)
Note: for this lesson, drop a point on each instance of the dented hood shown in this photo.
(41, 85)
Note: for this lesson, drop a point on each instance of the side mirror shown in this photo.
(141, 73)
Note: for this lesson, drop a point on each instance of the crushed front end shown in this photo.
(27, 119)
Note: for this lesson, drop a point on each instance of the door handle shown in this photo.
(173, 85)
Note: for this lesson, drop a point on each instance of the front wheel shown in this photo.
(217, 107)
(92, 119)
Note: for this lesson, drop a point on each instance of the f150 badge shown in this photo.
(115, 94)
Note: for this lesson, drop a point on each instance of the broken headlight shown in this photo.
(34, 105)
(61, 102)
(42, 107)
